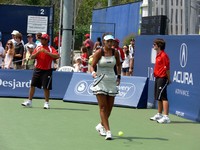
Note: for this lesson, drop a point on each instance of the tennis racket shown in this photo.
(98, 79)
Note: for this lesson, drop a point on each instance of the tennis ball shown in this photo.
(120, 133)
(90, 60)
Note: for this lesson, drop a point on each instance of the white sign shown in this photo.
(37, 24)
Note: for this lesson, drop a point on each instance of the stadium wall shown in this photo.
(121, 21)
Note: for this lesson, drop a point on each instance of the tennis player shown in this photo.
(105, 59)
(162, 79)
(42, 75)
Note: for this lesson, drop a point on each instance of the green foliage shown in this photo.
(128, 38)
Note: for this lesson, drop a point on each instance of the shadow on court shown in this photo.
(132, 138)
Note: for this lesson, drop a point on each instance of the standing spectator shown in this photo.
(9, 54)
(28, 62)
(14, 32)
(1, 55)
(119, 49)
(38, 39)
(126, 63)
(162, 75)
(19, 51)
(78, 65)
(30, 42)
(105, 59)
(56, 40)
(132, 52)
(97, 44)
(89, 44)
(84, 58)
(42, 75)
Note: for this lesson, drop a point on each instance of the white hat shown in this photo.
(30, 46)
(14, 32)
(79, 57)
(108, 37)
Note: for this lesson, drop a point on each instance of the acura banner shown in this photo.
(184, 54)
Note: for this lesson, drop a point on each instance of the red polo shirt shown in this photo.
(162, 65)
(43, 61)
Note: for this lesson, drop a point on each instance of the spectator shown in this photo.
(89, 44)
(30, 42)
(97, 44)
(84, 58)
(28, 62)
(126, 63)
(42, 75)
(9, 54)
(119, 49)
(78, 65)
(132, 52)
(38, 39)
(1, 55)
(14, 32)
(56, 40)
(19, 51)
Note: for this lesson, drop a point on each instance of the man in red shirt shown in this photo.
(42, 75)
(162, 79)
(89, 44)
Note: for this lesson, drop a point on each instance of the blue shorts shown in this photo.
(125, 69)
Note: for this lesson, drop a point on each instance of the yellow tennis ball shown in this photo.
(120, 133)
(90, 60)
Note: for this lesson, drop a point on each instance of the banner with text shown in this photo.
(16, 83)
(132, 91)
(184, 56)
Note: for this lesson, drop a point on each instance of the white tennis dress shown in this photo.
(108, 85)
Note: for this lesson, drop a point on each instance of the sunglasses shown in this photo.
(9, 43)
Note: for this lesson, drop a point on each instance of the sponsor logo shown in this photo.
(183, 55)
(81, 87)
(84, 88)
(13, 84)
(180, 76)
(179, 113)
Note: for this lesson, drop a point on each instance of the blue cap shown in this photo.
(108, 37)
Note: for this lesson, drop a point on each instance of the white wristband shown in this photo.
(93, 72)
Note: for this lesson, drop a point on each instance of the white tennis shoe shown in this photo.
(27, 103)
(101, 129)
(164, 119)
(156, 117)
(46, 105)
(108, 135)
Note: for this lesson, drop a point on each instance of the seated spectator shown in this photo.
(78, 64)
